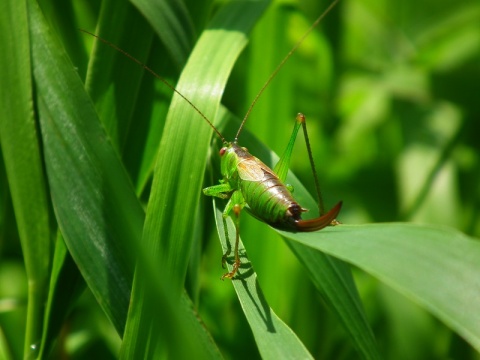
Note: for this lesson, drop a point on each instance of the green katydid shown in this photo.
(248, 183)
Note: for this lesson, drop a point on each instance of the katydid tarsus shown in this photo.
(247, 183)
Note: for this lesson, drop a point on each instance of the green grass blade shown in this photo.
(435, 266)
(172, 23)
(66, 285)
(174, 330)
(335, 283)
(87, 181)
(64, 18)
(154, 98)
(273, 337)
(22, 155)
(115, 97)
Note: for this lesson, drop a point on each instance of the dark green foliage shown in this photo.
(109, 249)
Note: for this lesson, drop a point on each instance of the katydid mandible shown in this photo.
(248, 183)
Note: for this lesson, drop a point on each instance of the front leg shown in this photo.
(236, 203)
(222, 191)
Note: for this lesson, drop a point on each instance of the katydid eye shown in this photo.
(222, 151)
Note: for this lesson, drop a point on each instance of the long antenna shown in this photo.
(159, 78)
(275, 72)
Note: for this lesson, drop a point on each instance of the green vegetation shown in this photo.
(109, 249)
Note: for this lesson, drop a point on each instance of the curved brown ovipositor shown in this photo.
(317, 223)
(294, 223)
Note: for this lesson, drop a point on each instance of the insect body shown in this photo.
(249, 183)
(268, 199)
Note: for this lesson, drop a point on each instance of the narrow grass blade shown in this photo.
(115, 96)
(435, 266)
(66, 285)
(178, 35)
(23, 161)
(273, 337)
(87, 181)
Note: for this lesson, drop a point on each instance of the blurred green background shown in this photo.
(391, 92)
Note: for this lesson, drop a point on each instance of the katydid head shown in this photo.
(233, 147)
(231, 155)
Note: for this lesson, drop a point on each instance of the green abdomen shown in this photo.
(269, 200)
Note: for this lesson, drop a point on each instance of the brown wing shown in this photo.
(251, 169)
